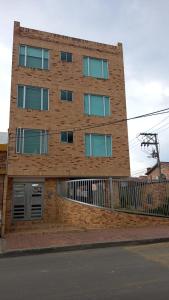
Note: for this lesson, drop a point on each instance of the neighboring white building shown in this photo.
(3, 137)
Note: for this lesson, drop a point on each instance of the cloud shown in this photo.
(5, 78)
(142, 27)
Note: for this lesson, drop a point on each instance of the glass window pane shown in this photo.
(35, 52)
(22, 55)
(85, 66)
(46, 53)
(96, 67)
(105, 69)
(98, 145)
(22, 50)
(63, 56)
(70, 137)
(69, 96)
(44, 136)
(64, 137)
(86, 104)
(96, 105)
(20, 95)
(109, 145)
(107, 106)
(45, 99)
(22, 60)
(33, 97)
(18, 140)
(45, 64)
(87, 145)
(63, 95)
(34, 62)
(69, 57)
(32, 141)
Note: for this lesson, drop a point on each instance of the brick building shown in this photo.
(63, 91)
(153, 173)
(3, 171)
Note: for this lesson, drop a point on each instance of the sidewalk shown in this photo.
(71, 239)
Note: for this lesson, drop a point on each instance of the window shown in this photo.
(27, 200)
(66, 56)
(66, 95)
(95, 67)
(98, 145)
(31, 141)
(67, 137)
(33, 57)
(32, 97)
(96, 105)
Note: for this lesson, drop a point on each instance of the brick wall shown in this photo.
(68, 159)
(76, 214)
(3, 158)
(3, 162)
(164, 170)
(1, 192)
(69, 213)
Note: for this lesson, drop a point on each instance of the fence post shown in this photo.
(111, 193)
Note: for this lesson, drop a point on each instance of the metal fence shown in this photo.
(89, 191)
(135, 196)
(150, 198)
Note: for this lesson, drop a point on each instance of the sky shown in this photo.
(141, 25)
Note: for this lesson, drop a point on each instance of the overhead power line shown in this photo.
(150, 139)
(55, 131)
(135, 141)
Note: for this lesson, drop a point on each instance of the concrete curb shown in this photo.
(54, 249)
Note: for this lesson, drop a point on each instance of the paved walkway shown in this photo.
(54, 237)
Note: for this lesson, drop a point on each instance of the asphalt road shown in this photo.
(140, 272)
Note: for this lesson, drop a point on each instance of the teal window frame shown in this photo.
(41, 59)
(25, 101)
(66, 95)
(66, 137)
(96, 148)
(31, 141)
(95, 67)
(96, 105)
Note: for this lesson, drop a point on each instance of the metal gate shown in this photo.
(27, 201)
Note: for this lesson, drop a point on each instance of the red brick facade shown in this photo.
(68, 160)
(153, 173)
(3, 162)
(65, 160)
(60, 211)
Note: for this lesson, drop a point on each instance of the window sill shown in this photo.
(98, 157)
(26, 220)
(66, 143)
(65, 61)
(32, 154)
(32, 109)
(98, 78)
(97, 116)
(32, 68)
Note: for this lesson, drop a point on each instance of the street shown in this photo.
(135, 272)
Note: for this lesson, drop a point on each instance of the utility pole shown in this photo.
(151, 139)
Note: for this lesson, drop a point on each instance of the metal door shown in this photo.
(27, 201)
